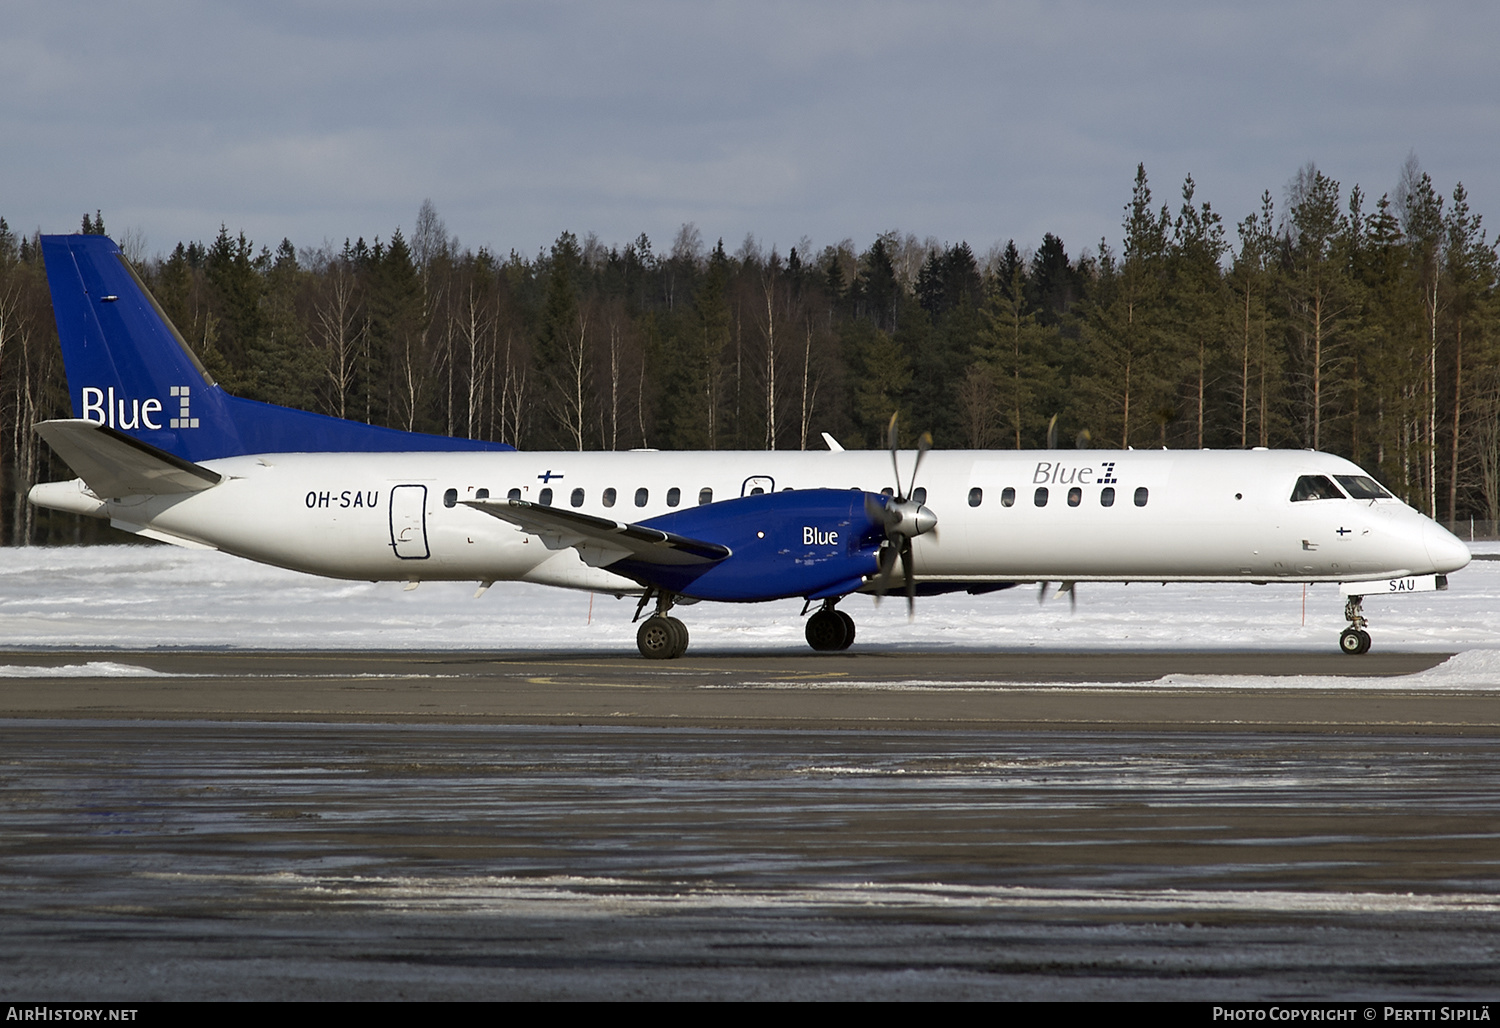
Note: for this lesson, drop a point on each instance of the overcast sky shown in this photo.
(973, 121)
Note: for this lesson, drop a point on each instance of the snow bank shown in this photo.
(148, 596)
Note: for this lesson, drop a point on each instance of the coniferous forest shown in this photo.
(1367, 328)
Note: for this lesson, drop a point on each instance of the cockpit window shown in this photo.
(1362, 487)
(1315, 487)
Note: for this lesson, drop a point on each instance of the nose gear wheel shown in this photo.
(1354, 640)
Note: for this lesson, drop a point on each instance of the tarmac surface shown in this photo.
(736, 690)
(233, 824)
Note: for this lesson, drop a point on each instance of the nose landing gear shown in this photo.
(1354, 640)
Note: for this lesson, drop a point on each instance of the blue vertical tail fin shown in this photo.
(130, 369)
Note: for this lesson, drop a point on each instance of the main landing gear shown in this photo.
(661, 636)
(1354, 640)
(830, 629)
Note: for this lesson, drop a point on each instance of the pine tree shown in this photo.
(1053, 285)
(233, 315)
(1200, 302)
(1318, 292)
(1470, 269)
(1012, 362)
(283, 367)
(880, 292)
(1122, 326)
(1251, 281)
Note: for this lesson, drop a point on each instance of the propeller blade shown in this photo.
(901, 518)
(911, 580)
(887, 566)
(890, 436)
(1071, 588)
(923, 445)
(1041, 596)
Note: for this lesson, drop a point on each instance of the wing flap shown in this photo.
(600, 540)
(113, 464)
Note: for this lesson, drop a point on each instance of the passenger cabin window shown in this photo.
(609, 496)
(1040, 499)
(1362, 487)
(1107, 496)
(919, 495)
(481, 494)
(1315, 487)
(976, 496)
(450, 498)
(545, 497)
(577, 498)
(1141, 496)
(705, 496)
(674, 496)
(1007, 497)
(1075, 496)
(514, 494)
(641, 496)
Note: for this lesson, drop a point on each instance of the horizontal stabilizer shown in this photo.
(113, 464)
(600, 540)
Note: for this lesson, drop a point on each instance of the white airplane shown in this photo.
(164, 453)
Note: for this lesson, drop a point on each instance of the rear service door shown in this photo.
(409, 521)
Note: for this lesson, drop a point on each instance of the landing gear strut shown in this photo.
(1354, 640)
(830, 629)
(661, 636)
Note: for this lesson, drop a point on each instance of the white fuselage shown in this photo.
(1204, 515)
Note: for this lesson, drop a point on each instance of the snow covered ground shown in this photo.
(147, 596)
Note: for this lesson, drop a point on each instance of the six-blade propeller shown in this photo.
(902, 518)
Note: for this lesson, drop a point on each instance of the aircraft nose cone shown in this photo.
(1446, 550)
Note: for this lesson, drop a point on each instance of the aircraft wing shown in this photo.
(600, 540)
(113, 464)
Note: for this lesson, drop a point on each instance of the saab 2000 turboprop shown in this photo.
(164, 453)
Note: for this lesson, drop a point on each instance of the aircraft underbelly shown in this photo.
(393, 534)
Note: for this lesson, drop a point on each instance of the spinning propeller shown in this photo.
(1071, 588)
(902, 518)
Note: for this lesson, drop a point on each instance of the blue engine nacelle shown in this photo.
(815, 543)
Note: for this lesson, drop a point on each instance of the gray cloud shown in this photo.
(979, 121)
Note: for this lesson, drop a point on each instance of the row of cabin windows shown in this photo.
(576, 497)
(1008, 496)
(1075, 496)
(706, 495)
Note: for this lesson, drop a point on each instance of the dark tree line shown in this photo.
(1365, 329)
